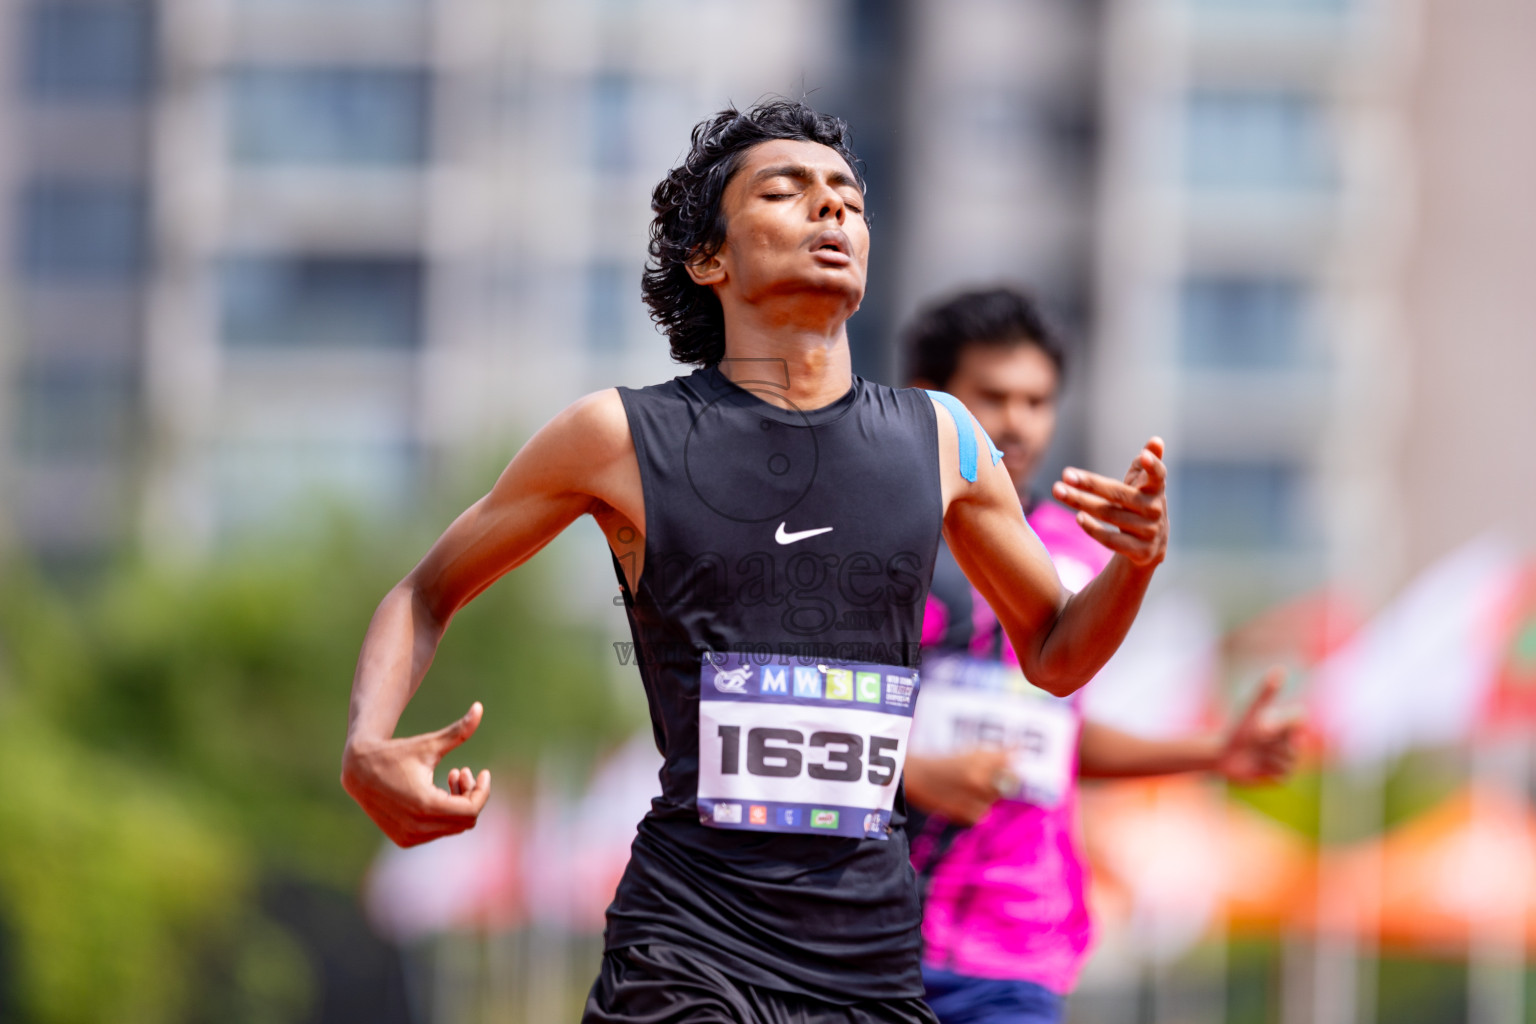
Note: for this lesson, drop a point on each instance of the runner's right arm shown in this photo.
(581, 462)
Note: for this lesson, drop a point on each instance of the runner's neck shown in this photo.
(801, 372)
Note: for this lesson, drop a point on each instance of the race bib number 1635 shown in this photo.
(789, 747)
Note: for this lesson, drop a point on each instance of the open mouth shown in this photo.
(831, 247)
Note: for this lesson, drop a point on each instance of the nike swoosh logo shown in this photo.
(789, 538)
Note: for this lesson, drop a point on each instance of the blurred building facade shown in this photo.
(76, 166)
(1465, 462)
(998, 156)
(1311, 243)
(264, 247)
(266, 250)
(1252, 221)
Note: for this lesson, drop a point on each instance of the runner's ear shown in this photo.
(706, 269)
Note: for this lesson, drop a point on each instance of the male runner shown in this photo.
(1005, 922)
(773, 521)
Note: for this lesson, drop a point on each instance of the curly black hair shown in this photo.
(989, 316)
(688, 223)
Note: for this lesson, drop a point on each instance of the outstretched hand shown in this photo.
(1260, 748)
(391, 779)
(1129, 517)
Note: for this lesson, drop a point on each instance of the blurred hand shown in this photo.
(1129, 517)
(961, 787)
(1260, 748)
(391, 779)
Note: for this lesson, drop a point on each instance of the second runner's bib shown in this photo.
(970, 703)
(791, 747)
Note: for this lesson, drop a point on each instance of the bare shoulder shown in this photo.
(584, 440)
(585, 450)
(575, 450)
(976, 478)
(597, 422)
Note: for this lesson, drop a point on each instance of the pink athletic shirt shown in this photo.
(1005, 898)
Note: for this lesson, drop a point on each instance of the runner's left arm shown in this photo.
(1062, 639)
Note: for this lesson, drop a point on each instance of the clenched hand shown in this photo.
(392, 780)
(960, 787)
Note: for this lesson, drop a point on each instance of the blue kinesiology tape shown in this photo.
(966, 427)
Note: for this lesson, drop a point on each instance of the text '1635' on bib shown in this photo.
(791, 747)
(969, 703)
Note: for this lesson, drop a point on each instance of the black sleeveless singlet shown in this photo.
(794, 533)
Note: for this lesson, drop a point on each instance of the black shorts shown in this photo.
(659, 984)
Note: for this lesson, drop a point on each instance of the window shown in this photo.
(358, 5)
(89, 50)
(80, 231)
(348, 116)
(1237, 322)
(73, 410)
(1272, 6)
(613, 147)
(321, 302)
(1255, 139)
(1237, 504)
(613, 295)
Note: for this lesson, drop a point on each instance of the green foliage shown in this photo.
(1411, 990)
(103, 876)
(173, 733)
(1420, 781)
(1253, 988)
(1412, 785)
(1293, 803)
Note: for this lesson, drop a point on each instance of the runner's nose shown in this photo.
(832, 206)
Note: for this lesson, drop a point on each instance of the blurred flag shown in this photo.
(617, 798)
(1464, 866)
(1300, 632)
(1176, 859)
(578, 848)
(1421, 671)
(465, 881)
(1512, 702)
(1160, 683)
